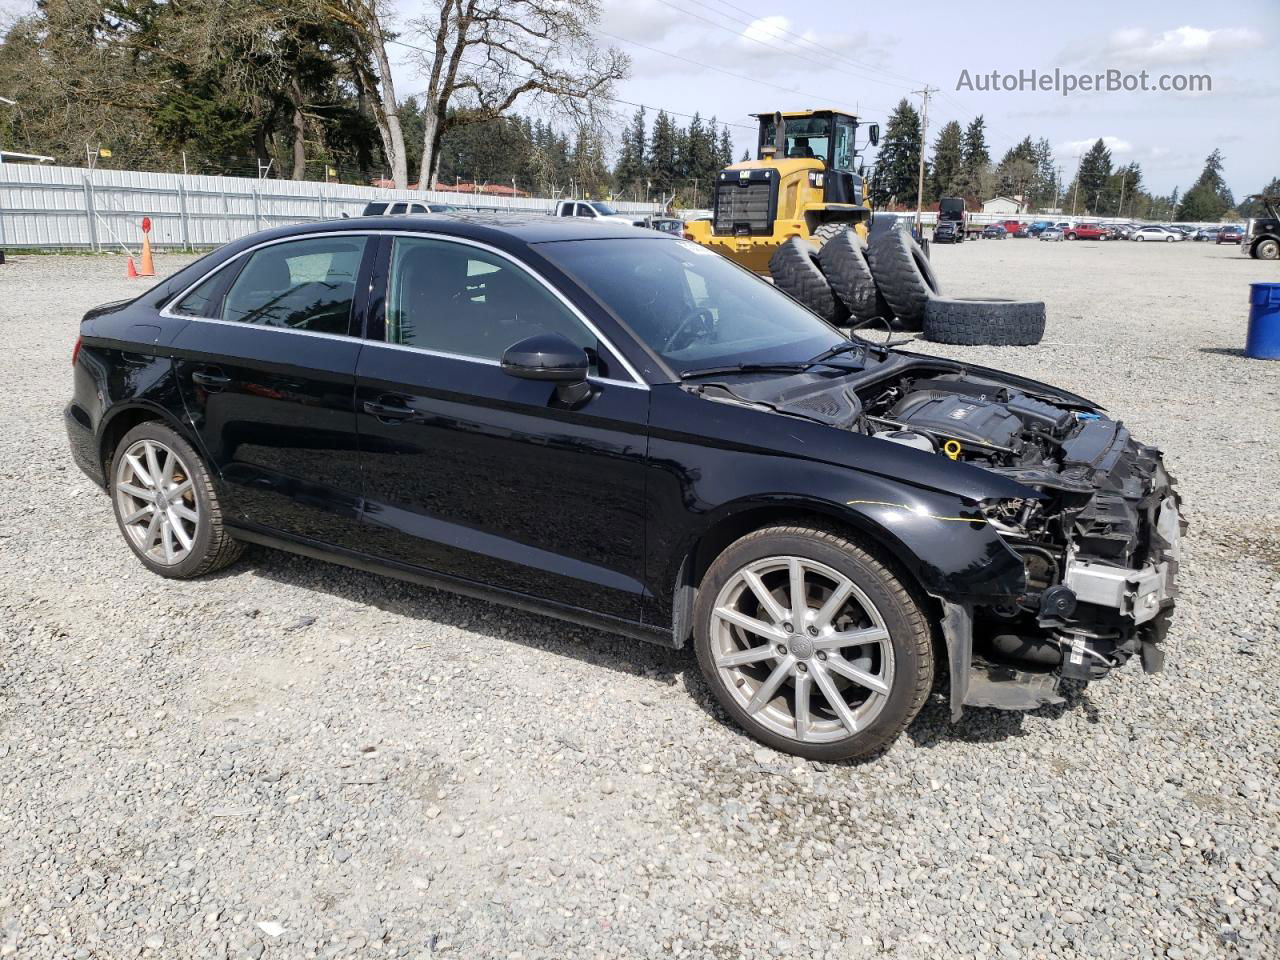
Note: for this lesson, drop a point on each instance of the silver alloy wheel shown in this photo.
(157, 502)
(802, 649)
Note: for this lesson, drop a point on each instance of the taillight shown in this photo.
(689, 236)
(75, 352)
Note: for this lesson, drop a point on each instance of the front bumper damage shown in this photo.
(1102, 613)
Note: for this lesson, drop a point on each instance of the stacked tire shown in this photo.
(847, 282)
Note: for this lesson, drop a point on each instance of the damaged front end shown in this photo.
(1098, 531)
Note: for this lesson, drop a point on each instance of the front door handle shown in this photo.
(212, 380)
(388, 412)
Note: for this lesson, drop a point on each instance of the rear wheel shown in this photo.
(1266, 249)
(812, 644)
(165, 504)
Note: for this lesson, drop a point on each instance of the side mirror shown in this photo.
(873, 134)
(551, 357)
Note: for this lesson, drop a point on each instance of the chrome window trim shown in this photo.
(637, 381)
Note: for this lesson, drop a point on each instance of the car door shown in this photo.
(267, 372)
(480, 476)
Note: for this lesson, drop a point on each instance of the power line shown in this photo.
(518, 76)
(768, 46)
(898, 79)
(706, 66)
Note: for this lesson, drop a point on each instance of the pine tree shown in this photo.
(899, 159)
(944, 172)
(975, 161)
(1091, 180)
(1044, 191)
(662, 153)
(630, 172)
(1209, 197)
(726, 148)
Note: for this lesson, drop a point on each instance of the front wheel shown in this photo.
(165, 504)
(1168, 239)
(1266, 250)
(812, 644)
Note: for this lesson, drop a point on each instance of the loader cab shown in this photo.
(827, 136)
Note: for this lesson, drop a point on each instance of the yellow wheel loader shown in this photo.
(805, 182)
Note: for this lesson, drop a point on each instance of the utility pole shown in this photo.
(1124, 175)
(1075, 189)
(924, 139)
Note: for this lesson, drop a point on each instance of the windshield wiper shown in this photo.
(837, 350)
(745, 368)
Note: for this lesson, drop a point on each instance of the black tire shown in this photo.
(795, 271)
(826, 231)
(903, 274)
(1266, 249)
(213, 547)
(901, 611)
(843, 261)
(1001, 323)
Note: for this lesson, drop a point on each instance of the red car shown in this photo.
(1087, 231)
(1013, 226)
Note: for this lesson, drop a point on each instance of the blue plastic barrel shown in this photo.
(1263, 342)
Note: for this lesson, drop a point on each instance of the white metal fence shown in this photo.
(76, 208)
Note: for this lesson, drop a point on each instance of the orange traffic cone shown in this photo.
(132, 272)
(148, 265)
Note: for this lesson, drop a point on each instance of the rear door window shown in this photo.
(301, 285)
(204, 300)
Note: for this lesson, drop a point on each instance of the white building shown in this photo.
(1002, 205)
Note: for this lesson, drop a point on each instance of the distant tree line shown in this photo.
(232, 86)
(961, 166)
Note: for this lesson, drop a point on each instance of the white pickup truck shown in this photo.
(594, 210)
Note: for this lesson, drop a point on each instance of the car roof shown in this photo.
(498, 229)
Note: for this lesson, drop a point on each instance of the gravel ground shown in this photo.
(290, 759)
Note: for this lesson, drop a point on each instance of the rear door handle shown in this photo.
(211, 379)
(387, 412)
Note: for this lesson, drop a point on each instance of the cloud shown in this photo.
(644, 21)
(1184, 44)
(1072, 148)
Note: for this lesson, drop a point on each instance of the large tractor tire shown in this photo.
(903, 274)
(973, 322)
(826, 231)
(843, 259)
(795, 271)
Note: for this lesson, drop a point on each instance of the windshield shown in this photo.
(692, 307)
(603, 209)
(806, 136)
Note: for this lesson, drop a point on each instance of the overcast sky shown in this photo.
(869, 56)
(731, 58)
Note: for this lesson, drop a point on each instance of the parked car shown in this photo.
(1021, 231)
(994, 231)
(1035, 229)
(948, 231)
(1205, 234)
(671, 225)
(1164, 234)
(594, 210)
(1011, 226)
(618, 428)
(1051, 233)
(1087, 231)
(1229, 234)
(399, 208)
(1122, 231)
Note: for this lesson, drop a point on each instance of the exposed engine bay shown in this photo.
(1099, 534)
(1100, 549)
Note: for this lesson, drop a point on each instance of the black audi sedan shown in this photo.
(625, 430)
